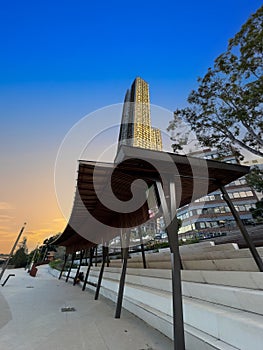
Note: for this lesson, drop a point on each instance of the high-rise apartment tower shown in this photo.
(136, 129)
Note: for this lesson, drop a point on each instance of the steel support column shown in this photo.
(243, 229)
(86, 258)
(108, 258)
(104, 258)
(125, 254)
(142, 248)
(63, 267)
(172, 228)
(71, 265)
(80, 261)
(91, 252)
(96, 256)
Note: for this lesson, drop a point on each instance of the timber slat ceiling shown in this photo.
(194, 177)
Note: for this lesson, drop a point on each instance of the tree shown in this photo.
(227, 107)
(20, 258)
(23, 245)
(255, 179)
(257, 212)
(48, 246)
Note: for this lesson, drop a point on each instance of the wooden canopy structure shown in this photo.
(93, 222)
(112, 197)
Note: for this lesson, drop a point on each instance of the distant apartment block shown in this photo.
(258, 162)
(210, 215)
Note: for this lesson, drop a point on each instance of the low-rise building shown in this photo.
(210, 216)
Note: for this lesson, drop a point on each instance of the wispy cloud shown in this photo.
(5, 234)
(55, 221)
(41, 231)
(6, 218)
(4, 228)
(5, 206)
(59, 220)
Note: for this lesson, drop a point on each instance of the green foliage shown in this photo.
(189, 241)
(227, 107)
(179, 223)
(56, 264)
(161, 245)
(19, 259)
(34, 253)
(257, 212)
(48, 246)
(181, 242)
(255, 179)
(23, 245)
(50, 241)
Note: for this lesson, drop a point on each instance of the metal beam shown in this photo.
(71, 265)
(86, 258)
(91, 252)
(243, 229)
(96, 256)
(104, 257)
(63, 267)
(125, 254)
(142, 248)
(80, 261)
(171, 224)
(108, 258)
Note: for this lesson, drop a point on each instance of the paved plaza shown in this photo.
(31, 318)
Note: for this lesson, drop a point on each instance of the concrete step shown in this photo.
(195, 339)
(225, 257)
(240, 279)
(238, 264)
(236, 328)
(239, 298)
(216, 316)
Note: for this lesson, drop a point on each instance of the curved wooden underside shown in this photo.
(104, 191)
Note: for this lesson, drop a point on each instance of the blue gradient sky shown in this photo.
(61, 60)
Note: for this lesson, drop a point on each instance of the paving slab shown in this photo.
(31, 318)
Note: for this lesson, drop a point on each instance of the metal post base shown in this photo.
(91, 252)
(105, 252)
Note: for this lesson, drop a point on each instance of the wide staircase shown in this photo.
(222, 303)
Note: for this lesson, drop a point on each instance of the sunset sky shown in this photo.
(62, 60)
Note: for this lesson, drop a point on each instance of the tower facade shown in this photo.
(136, 129)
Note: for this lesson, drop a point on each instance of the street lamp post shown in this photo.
(12, 252)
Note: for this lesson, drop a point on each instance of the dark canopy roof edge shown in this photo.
(197, 176)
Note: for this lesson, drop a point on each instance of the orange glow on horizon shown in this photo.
(28, 195)
(35, 233)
